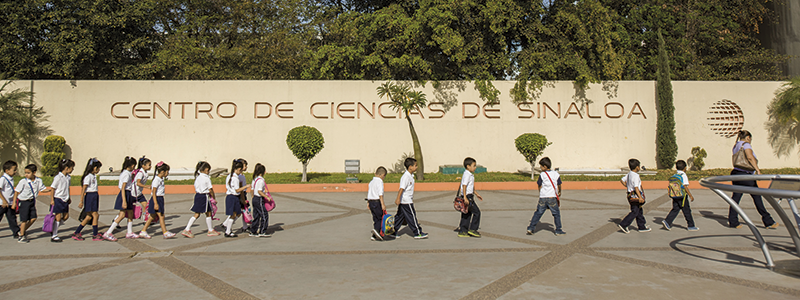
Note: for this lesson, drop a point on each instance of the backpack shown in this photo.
(675, 186)
(387, 224)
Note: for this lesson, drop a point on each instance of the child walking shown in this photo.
(635, 196)
(90, 200)
(61, 201)
(260, 223)
(156, 205)
(140, 177)
(243, 196)
(549, 183)
(405, 201)
(678, 189)
(124, 202)
(470, 221)
(202, 199)
(233, 200)
(7, 197)
(27, 190)
(375, 203)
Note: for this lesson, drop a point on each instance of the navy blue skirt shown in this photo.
(129, 203)
(91, 202)
(232, 205)
(60, 206)
(151, 208)
(141, 198)
(201, 203)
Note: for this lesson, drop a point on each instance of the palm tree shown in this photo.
(785, 108)
(404, 99)
(21, 123)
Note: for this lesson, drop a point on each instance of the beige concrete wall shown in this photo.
(611, 131)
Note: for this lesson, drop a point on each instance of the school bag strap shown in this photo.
(558, 199)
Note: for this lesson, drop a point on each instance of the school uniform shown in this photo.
(28, 191)
(472, 219)
(232, 203)
(243, 195)
(159, 190)
(260, 222)
(91, 200)
(547, 199)
(202, 188)
(374, 195)
(7, 189)
(633, 181)
(136, 191)
(405, 211)
(126, 179)
(61, 193)
(680, 204)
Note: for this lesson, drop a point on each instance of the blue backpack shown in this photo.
(387, 224)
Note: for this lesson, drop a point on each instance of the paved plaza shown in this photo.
(321, 249)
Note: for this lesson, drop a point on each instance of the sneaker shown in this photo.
(646, 229)
(16, 236)
(692, 228)
(169, 235)
(624, 230)
(474, 233)
(77, 237)
(109, 237)
(131, 236)
(458, 229)
(666, 225)
(212, 233)
(463, 234)
(22, 240)
(421, 235)
(560, 232)
(264, 235)
(377, 235)
(773, 226)
(97, 237)
(737, 226)
(231, 235)
(187, 233)
(393, 236)
(253, 234)
(372, 238)
(55, 239)
(144, 235)
(530, 232)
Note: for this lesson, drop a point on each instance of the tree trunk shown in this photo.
(420, 175)
(533, 174)
(305, 179)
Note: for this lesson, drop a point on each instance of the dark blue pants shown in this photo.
(260, 222)
(472, 219)
(733, 216)
(636, 213)
(406, 213)
(680, 204)
(11, 217)
(377, 214)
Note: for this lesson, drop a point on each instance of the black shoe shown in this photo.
(232, 235)
(16, 236)
(55, 239)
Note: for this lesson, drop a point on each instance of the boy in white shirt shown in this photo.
(470, 221)
(549, 196)
(679, 203)
(405, 202)
(375, 202)
(635, 195)
(7, 197)
(27, 190)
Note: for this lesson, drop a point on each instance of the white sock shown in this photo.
(210, 226)
(110, 229)
(228, 222)
(55, 228)
(189, 226)
(130, 226)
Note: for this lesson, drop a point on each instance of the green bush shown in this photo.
(698, 154)
(53, 153)
(531, 145)
(666, 142)
(305, 142)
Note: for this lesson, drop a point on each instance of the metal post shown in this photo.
(795, 212)
(759, 238)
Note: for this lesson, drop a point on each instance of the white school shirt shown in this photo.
(158, 186)
(633, 180)
(231, 184)
(548, 190)
(202, 184)
(467, 179)
(90, 181)
(61, 186)
(125, 177)
(7, 188)
(142, 177)
(24, 190)
(375, 189)
(407, 184)
(259, 185)
(684, 178)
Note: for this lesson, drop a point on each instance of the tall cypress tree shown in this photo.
(666, 145)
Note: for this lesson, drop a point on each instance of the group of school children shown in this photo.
(20, 201)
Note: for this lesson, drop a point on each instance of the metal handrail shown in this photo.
(713, 184)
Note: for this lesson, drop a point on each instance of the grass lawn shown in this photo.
(276, 178)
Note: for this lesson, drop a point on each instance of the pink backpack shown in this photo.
(269, 204)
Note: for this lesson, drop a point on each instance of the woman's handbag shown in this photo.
(740, 160)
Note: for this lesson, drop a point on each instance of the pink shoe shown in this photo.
(169, 235)
(77, 237)
(144, 235)
(131, 236)
(97, 238)
(212, 233)
(187, 233)
(110, 238)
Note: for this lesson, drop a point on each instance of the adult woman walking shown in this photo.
(747, 165)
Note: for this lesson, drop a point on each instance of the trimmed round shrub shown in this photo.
(531, 145)
(305, 142)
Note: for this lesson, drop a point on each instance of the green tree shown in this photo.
(406, 100)
(21, 123)
(531, 145)
(666, 142)
(305, 142)
(784, 118)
